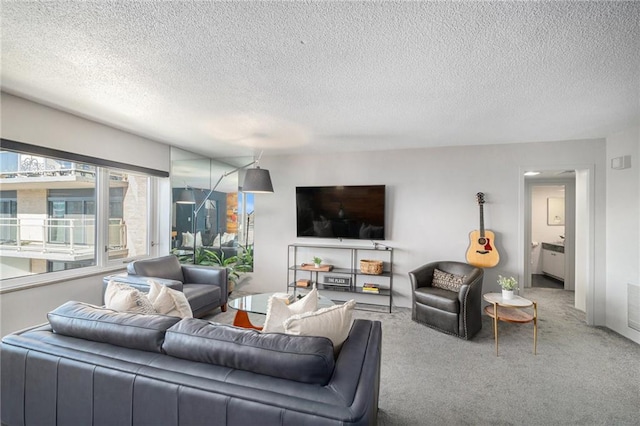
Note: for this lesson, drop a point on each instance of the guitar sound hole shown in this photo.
(482, 241)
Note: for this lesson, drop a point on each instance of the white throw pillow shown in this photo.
(168, 301)
(333, 322)
(278, 310)
(227, 238)
(187, 239)
(122, 297)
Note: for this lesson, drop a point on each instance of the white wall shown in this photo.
(541, 231)
(623, 230)
(33, 123)
(431, 205)
(583, 243)
(29, 307)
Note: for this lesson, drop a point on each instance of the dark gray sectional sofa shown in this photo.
(95, 366)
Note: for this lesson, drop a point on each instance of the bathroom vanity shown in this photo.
(553, 260)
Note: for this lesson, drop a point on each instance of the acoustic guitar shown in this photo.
(482, 251)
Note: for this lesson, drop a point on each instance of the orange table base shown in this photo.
(242, 320)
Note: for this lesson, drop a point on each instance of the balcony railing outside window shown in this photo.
(23, 165)
(58, 235)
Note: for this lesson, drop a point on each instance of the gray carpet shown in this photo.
(581, 376)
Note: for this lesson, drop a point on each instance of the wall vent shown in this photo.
(633, 311)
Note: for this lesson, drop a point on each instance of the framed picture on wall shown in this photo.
(555, 211)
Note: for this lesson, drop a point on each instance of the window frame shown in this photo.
(102, 263)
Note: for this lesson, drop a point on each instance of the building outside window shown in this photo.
(128, 234)
(49, 214)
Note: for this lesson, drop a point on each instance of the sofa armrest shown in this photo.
(471, 290)
(199, 274)
(356, 376)
(422, 276)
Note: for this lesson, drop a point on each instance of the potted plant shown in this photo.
(235, 265)
(508, 285)
(317, 261)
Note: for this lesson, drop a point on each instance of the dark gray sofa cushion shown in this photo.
(300, 358)
(89, 322)
(200, 295)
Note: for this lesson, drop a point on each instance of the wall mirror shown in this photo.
(219, 224)
(555, 211)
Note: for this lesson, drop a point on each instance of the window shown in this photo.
(128, 234)
(8, 214)
(71, 217)
(50, 217)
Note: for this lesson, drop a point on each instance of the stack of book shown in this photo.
(303, 283)
(370, 288)
(285, 297)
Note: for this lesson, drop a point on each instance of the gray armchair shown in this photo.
(206, 287)
(453, 312)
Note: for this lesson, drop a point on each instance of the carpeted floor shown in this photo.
(581, 376)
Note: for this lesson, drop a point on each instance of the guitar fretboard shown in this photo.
(481, 221)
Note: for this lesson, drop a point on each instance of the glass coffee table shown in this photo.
(257, 304)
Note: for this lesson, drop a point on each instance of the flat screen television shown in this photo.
(352, 212)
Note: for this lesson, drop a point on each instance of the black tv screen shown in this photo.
(354, 212)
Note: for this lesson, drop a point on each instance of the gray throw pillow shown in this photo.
(447, 281)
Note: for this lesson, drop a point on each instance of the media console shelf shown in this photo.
(340, 278)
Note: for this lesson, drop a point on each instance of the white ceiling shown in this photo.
(229, 79)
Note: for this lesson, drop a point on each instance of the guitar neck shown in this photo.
(481, 220)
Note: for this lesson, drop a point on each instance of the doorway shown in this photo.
(554, 213)
(551, 260)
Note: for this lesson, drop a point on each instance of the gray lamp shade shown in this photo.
(257, 181)
(186, 197)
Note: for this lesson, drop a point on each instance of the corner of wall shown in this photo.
(622, 230)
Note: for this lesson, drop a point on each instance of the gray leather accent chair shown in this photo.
(206, 287)
(457, 313)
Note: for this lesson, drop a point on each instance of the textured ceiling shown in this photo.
(232, 78)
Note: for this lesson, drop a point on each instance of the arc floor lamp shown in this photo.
(256, 181)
